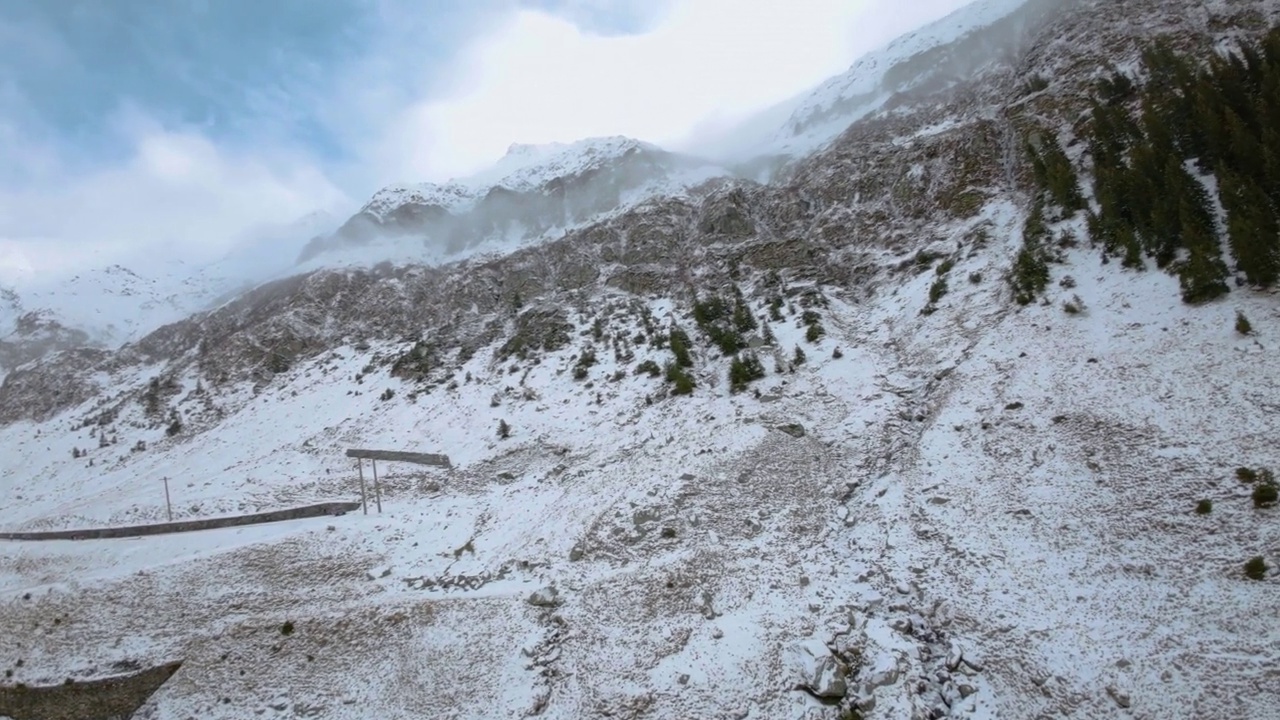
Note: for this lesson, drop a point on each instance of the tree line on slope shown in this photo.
(1162, 152)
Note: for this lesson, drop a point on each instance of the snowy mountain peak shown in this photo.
(116, 304)
(524, 168)
(451, 196)
(605, 143)
(531, 192)
(939, 55)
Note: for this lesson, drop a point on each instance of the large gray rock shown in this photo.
(817, 671)
(546, 597)
(795, 430)
(1120, 697)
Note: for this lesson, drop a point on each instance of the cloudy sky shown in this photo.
(133, 130)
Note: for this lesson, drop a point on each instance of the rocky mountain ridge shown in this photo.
(927, 168)
(522, 198)
(533, 192)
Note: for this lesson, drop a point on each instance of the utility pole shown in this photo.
(364, 501)
(168, 506)
(377, 491)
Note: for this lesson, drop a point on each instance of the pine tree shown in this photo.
(1246, 156)
(744, 370)
(1271, 163)
(1029, 276)
(1054, 173)
(1203, 274)
(1215, 143)
(504, 430)
(680, 344)
(677, 376)
(1252, 228)
(743, 320)
(1115, 89)
(1243, 326)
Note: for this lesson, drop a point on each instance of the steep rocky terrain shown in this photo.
(753, 450)
(530, 193)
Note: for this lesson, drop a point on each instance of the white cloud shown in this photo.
(176, 196)
(524, 76)
(539, 78)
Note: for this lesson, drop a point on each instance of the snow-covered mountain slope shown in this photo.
(1000, 525)
(944, 54)
(99, 308)
(114, 305)
(119, 304)
(923, 501)
(532, 193)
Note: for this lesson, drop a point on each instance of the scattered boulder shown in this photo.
(708, 610)
(795, 430)
(546, 597)
(1121, 698)
(818, 672)
(972, 661)
(378, 573)
(883, 678)
(954, 657)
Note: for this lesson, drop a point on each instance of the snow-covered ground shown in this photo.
(983, 511)
(994, 505)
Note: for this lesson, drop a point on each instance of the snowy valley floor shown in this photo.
(990, 511)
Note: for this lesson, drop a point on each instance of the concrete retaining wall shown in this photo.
(115, 698)
(332, 508)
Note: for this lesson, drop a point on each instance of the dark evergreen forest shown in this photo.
(1162, 146)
